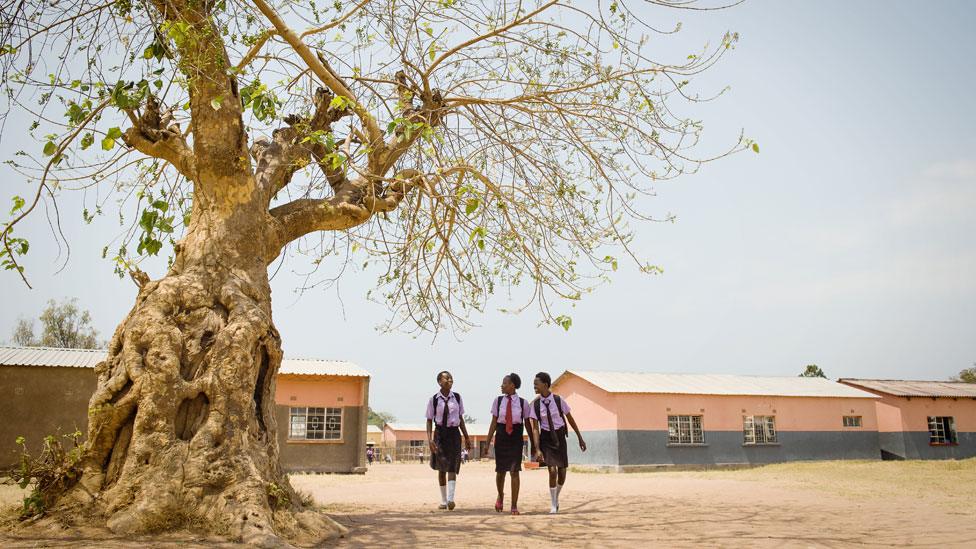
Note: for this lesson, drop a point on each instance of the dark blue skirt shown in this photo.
(508, 448)
(447, 459)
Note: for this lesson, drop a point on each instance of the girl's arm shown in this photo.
(430, 440)
(491, 429)
(464, 430)
(534, 433)
(569, 418)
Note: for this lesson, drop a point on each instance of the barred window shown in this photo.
(759, 429)
(309, 423)
(685, 430)
(852, 421)
(417, 443)
(942, 430)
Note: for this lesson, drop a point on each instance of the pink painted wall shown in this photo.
(911, 414)
(595, 409)
(295, 390)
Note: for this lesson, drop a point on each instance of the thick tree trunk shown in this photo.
(182, 424)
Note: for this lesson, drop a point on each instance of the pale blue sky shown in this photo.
(849, 242)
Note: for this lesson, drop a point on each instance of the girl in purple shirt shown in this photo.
(445, 423)
(508, 416)
(549, 414)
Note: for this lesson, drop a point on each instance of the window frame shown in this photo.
(768, 431)
(314, 424)
(856, 422)
(946, 425)
(689, 423)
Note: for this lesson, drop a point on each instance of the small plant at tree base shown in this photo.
(48, 475)
(277, 496)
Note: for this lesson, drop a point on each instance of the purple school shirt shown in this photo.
(503, 413)
(548, 410)
(455, 409)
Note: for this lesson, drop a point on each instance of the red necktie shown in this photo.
(508, 417)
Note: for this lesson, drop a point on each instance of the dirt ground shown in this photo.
(822, 504)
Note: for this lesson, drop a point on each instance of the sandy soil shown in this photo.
(826, 504)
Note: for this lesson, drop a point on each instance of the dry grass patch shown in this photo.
(938, 481)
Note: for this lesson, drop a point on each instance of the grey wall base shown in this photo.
(915, 445)
(626, 449)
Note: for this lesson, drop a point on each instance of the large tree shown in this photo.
(470, 145)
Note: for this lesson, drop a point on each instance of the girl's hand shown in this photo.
(582, 444)
(539, 458)
(433, 448)
(467, 444)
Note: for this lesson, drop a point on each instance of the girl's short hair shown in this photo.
(441, 374)
(544, 377)
(515, 379)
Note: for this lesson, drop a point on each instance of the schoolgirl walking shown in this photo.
(508, 415)
(445, 424)
(549, 414)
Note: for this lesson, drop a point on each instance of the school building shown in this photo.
(374, 436)
(923, 419)
(403, 441)
(320, 405)
(633, 421)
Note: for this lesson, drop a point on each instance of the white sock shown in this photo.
(559, 490)
(444, 494)
(451, 484)
(554, 494)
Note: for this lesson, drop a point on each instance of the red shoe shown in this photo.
(498, 505)
(515, 511)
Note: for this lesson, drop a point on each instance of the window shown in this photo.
(759, 429)
(315, 424)
(852, 421)
(685, 430)
(942, 430)
(417, 443)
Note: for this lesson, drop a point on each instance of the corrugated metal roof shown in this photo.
(717, 384)
(407, 426)
(910, 388)
(474, 429)
(88, 358)
(373, 429)
(48, 356)
(315, 367)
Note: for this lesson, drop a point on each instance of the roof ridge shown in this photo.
(40, 348)
(691, 374)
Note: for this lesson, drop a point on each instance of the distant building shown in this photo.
(374, 435)
(632, 421)
(923, 419)
(404, 440)
(320, 405)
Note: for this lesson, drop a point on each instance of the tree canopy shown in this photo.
(468, 148)
(812, 370)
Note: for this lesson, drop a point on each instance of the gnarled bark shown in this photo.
(182, 425)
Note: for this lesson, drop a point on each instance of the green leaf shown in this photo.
(160, 205)
(215, 103)
(108, 144)
(50, 148)
(755, 148)
(18, 204)
(114, 133)
(564, 321)
(471, 206)
(87, 140)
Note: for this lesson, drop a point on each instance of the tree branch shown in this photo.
(353, 204)
(322, 72)
(152, 135)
